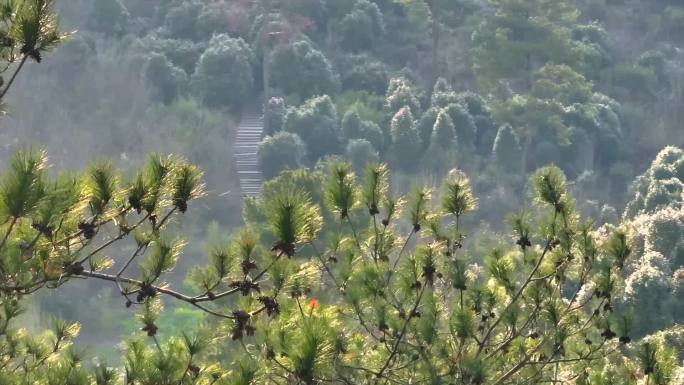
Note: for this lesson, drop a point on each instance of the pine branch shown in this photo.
(14, 76)
(122, 235)
(9, 231)
(160, 289)
(516, 296)
(4, 239)
(409, 316)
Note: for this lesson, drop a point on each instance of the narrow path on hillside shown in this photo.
(249, 135)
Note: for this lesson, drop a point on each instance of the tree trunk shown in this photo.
(435, 44)
(590, 163)
(529, 73)
(525, 153)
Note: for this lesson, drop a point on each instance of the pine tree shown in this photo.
(306, 301)
(400, 93)
(351, 125)
(466, 131)
(300, 70)
(425, 126)
(405, 139)
(362, 27)
(512, 41)
(443, 135)
(31, 29)
(506, 150)
(316, 123)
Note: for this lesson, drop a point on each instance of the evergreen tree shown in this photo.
(279, 152)
(110, 17)
(463, 122)
(167, 80)
(443, 135)
(361, 28)
(181, 21)
(655, 219)
(425, 126)
(442, 94)
(302, 70)
(364, 73)
(316, 123)
(474, 103)
(405, 140)
(338, 277)
(361, 153)
(274, 113)
(667, 169)
(223, 76)
(352, 125)
(543, 114)
(399, 94)
(518, 37)
(506, 150)
(486, 133)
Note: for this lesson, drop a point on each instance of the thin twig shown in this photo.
(14, 76)
(409, 316)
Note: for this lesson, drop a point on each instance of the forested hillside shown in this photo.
(510, 85)
(532, 229)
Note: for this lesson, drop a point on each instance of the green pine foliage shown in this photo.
(331, 298)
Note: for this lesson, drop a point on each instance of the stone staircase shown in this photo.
(249, 134)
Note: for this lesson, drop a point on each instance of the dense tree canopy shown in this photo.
(316, 123)
(655, 218)
(281, 151)
(300, 69)
(223, 76)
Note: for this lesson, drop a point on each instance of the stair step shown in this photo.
(249, 134)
